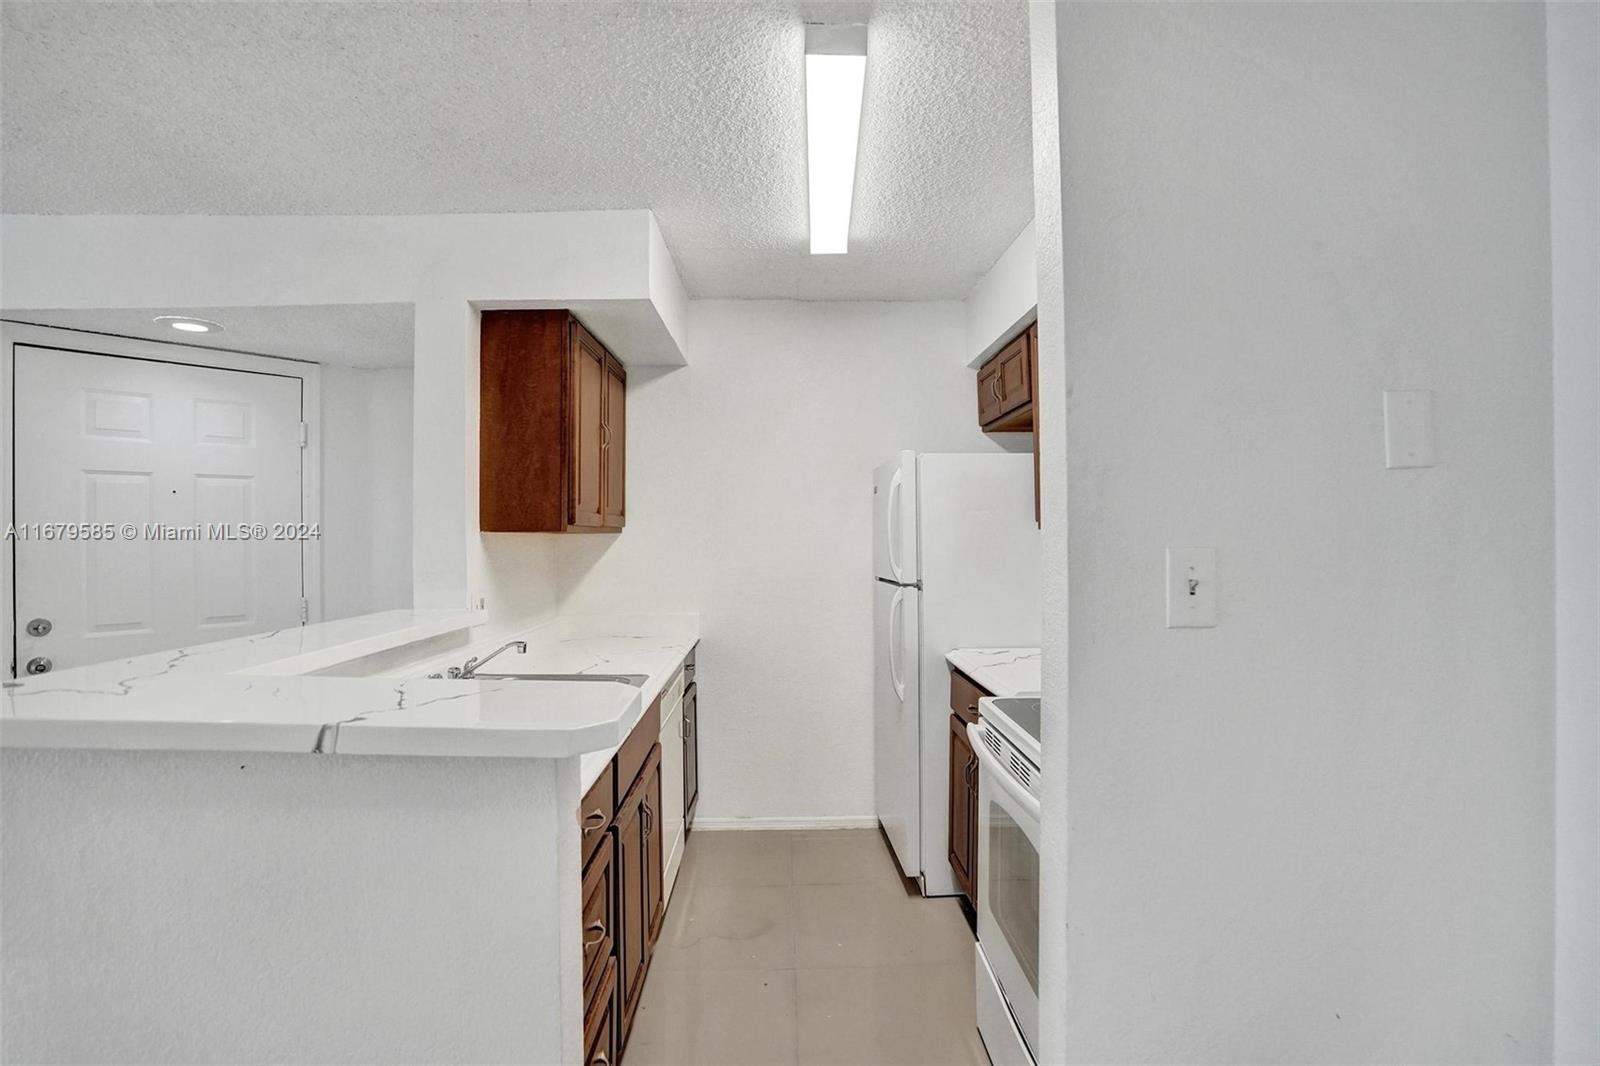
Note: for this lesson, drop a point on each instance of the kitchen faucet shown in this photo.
(471, 666)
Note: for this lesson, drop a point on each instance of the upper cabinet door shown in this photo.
(587, 457)
(1016, 375)
(989, 399)
(614, 440)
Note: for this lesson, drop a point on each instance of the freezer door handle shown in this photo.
(892, 524)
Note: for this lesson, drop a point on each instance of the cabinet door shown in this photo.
(587, 412)
(633, 926)
(691, 753)
(989, 398)
(639, 882)
(614, 438)
(1016, 375)
(962, 811)
(655, 838)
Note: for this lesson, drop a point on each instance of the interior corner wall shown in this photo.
(366, 490)
(1051, 396)
(1321, 831)
(750, 501)
(1573, 52)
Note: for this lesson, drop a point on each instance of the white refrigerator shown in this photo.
(956, 564)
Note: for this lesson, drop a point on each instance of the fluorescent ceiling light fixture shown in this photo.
(836, 71)
(185, 324)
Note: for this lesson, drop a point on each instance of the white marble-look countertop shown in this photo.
(1002, 671)
(656, 646)
(248, 694)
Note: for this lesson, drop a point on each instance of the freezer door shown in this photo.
(894, 520)
(896, 725)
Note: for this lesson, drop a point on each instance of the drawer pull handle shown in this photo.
(600, 1059)
(594, 819)
(599, 931)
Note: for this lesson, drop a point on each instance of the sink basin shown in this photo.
(636, 680)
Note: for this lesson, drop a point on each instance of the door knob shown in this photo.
(39, 627)
(39, 665)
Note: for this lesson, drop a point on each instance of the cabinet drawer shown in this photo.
(636, 749)
(599, 1021)
(599, 806)
(599, 889)
(964, 696)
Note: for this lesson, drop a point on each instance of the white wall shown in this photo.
(1003, 300)
(609, 266)
(366, 490)
(1053, 528)
(1322, 830)
(1573, 50)
(750, 501)
(141, 925)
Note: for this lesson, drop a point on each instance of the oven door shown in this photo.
(1008, 885)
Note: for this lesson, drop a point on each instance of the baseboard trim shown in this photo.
(717, 825)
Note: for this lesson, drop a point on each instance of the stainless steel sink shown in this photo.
(636, 680)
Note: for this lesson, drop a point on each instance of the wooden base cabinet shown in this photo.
(963, 787)
(639, 884)
(623, 840)
(963, 810)
(600, 1022)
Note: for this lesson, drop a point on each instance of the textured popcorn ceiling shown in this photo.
(694, 110)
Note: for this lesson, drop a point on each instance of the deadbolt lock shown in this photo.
(39, 627)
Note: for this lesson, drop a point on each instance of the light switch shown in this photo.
(1407, 428)
(1191, 588)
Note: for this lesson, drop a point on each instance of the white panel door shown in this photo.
(161, 451)
(896, 731)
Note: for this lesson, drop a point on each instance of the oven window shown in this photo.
(1013, 889)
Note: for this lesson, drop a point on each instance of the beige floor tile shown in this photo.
(888, 1016)
(842, 856)
(715, 1018)
(728, 927)
(737, 858)
(876, 924)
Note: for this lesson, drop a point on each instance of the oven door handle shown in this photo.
(992, 773)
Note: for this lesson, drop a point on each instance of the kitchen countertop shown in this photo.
(1002, 671)
(248, 694)
(653, 645)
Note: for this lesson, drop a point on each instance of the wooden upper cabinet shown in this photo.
(614, 440)
(552, 410)
(1005, 387)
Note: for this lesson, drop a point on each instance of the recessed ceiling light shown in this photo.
(189, 325)
(836, 73)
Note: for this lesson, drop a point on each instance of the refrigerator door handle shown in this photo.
(893, 524)
(897, 632)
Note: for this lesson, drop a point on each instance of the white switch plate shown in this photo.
(1407, 428)
(1191, 588)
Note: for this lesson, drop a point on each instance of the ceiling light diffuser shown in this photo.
(185, 324)
(836, 72)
